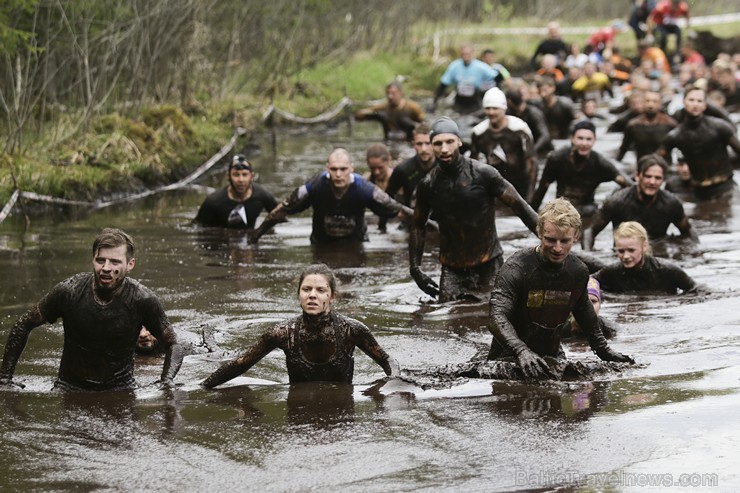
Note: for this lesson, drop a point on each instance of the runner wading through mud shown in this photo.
(102, 312)
(461, 193)
(535, 291)
(318, 344)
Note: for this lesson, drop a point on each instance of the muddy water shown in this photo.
(669, 422)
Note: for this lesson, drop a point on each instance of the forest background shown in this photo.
(108, 97)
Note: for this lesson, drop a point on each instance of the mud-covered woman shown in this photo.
(319, 344)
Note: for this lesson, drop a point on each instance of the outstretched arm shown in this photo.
(365, 340)
(586, 317)
(417, 239)
(17, 342)
(598, 223)
(517, 204)
(539, 194)
(174, 353)
(504, 300)
(232, 369)
(684, 226)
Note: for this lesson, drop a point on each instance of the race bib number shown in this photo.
(339, 226)
(466, 88)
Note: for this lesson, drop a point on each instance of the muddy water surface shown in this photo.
(670, 422)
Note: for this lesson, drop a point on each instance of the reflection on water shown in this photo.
(378, 435)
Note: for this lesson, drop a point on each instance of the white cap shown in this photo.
(494, 98)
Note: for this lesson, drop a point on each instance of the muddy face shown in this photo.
(111, 266)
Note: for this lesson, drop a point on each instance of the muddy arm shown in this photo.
(232, 369)
(597, 225)
(173, 356)
(684, 226)
(17, 342)
(517, 204)
(364, 340)
(417, 238)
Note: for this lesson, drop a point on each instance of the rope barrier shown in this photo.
(322, 118)
(185, 182)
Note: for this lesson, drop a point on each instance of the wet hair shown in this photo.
(584, 125)
(652, 160)
(633, 229)
(395, 84)
(546, 81)
(422, 128)
(320, 270)
(378, 150)
(693, 87)
(561, 213)
(113, 238)
(514, 96)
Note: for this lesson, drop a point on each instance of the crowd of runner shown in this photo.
(675, 114)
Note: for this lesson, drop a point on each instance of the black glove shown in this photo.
(9, 383)
(608, 354)
(425, 282)
(532, 365)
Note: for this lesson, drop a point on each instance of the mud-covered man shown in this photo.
(102, 313)
(339, 197)
(703, 140)
(239, 203)
(645, 202)
(646, 131)
(578, 170)
(461, 193)
(535, 291)
(506, 143)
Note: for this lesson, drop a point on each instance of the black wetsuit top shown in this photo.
(655, 275)
(655, 215)
(340, 366)
(535, 119)
(340, 218)
(532, 300)
(676, 185)
(220, 211)
(549, 46)
(578, 176)
(462, 198)
(703, 142)
(406, 176)
(646, 135)
(330, 335)
(509, 150)
(622, 120)
(100, 340)
(559, 117)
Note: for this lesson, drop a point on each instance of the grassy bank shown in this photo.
(164, 143)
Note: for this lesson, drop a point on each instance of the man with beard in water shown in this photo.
(647, 130)
(578, 170)
(535, 291)
(461, 193)
(102, 312)
(318, 344)
(703, 140)
(506, 143)
(240, 203)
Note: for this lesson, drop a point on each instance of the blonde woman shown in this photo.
(637, 269)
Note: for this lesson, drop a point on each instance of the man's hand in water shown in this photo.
(8, 383)
(608, 354)
(532, 365)
(425, 282)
